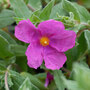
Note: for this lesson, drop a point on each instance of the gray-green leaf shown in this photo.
(6, 18)
(5, 52)
(87, 36)
(82, 76)
(7, 37)
(34, 81)
(20, 8)
(69, 7)
(18, 50)
(45, 14)
(27, 85)
(58, 80)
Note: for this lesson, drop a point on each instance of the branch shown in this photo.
(8, 3)
(66, 70)
(87, 27)
(30, 7)
(6, 77)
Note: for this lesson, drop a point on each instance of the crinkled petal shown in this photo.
(50, 27)
(53, 59)
(48, 80)
(26, 31)
(64, 41)
(34, 55)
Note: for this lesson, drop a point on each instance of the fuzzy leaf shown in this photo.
(69, 7)
(87, 36)
(8, 37)
(17, 79)
(5, 52)
(34, 81)
(27, 85)
(45, 14)
(18, 50)
(84, 14)
(82, 76)
(58, 80)
(6, 18)
(57, 9)
(36, 4)
(20, 9)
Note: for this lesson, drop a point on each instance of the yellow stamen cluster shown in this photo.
(44, 41)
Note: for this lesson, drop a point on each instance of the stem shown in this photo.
(85, 24)
(8, 3)
(6, 77)
(83, 55)
(66, 70)
(79, 33)
(30, 7)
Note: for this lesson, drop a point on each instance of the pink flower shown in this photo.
(49, 78)
(48, 42)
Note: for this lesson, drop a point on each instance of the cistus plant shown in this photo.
(44, 45)
(47, 42)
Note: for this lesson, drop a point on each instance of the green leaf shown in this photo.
(82, 76)
(69, 7)
(71, 85)
(87, 36)
(67, 21)
(20, 9)
(26, 1)
(40, 75)
(8, 37)
(17, 19)
(78, 52)
(84, 63)
(82, 47)
(37, 12)
(58, 80)
(6, 18)
(72, 56)
(17, 79)
(18, 50)
(36, 4)
(27, 85)
(2, 65)
(35, 19)
(9, 80)
(2, 81)
(86, 3)
(45, 14)
(21, 61)
(57, 9)
(5, 52)
(34, 81)
(84, 14)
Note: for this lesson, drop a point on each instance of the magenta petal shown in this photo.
(53, 59)
(34, 55)
(48, 80)
(25, 31)
(50, 27)
(63, 41)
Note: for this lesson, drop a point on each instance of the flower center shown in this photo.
(44, 41)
